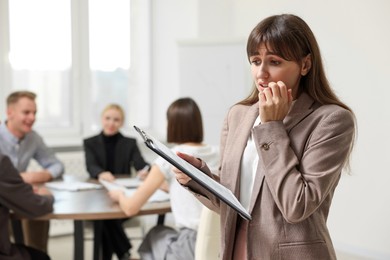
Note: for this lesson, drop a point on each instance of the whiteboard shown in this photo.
(216, 75)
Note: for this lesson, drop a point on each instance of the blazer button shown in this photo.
(265, 146)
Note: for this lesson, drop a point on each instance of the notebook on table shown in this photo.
(158, 195)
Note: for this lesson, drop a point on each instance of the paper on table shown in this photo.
(72, 186)
(128, 182)
(158, 196)
(112, 185)
(198, 176)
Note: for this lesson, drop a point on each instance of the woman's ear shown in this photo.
(306, 65)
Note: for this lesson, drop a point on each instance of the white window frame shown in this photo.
(139, 105)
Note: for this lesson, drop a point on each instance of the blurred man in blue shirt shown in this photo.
(21, 144)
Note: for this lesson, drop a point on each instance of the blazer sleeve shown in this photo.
(92, 160)
(18, 196)
(299, 186)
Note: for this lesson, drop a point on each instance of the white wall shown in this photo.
(354, 39)
(173, 20)
(217, 78)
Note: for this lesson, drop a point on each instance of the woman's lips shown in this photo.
(263, 86)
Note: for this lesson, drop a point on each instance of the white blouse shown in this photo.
(249, 162)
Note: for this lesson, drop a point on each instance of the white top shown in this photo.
(249, 162)
(186, 209)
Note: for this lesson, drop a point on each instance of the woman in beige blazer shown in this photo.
(282, 150)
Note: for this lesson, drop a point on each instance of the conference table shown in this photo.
(93, 204)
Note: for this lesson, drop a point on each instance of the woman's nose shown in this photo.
(262, 72)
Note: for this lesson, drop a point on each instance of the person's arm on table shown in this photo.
(19, 196)
(32, 177)
(52, 167)
(132, 205)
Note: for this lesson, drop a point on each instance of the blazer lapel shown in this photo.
(258, 183)
(302, 107)
(245, 126)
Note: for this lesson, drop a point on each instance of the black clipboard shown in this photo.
(198, 176)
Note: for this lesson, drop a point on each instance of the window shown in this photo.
(40, 56)
(78, 56)
(109, 54)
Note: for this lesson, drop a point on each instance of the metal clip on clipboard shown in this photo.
(142, 133)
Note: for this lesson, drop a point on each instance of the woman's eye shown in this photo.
(256, 62)
(275, 62)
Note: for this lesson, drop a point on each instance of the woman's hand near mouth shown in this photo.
(274, 102)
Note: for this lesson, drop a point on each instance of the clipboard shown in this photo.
(223, 193)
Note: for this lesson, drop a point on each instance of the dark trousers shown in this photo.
(35, 254)
(114, 239)
(19, 251)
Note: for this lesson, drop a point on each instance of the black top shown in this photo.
(116, 154)
(110, 142)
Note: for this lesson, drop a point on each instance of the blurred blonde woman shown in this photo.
(108, 154)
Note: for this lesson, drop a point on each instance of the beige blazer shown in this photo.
(300, 162)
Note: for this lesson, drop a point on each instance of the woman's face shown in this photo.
(268, 67)
(112, 120)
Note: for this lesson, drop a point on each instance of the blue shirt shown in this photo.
(21, 151)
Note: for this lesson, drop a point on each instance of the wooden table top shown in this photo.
(93, 205)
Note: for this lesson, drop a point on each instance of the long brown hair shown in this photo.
(291, 38)
(184, 122)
